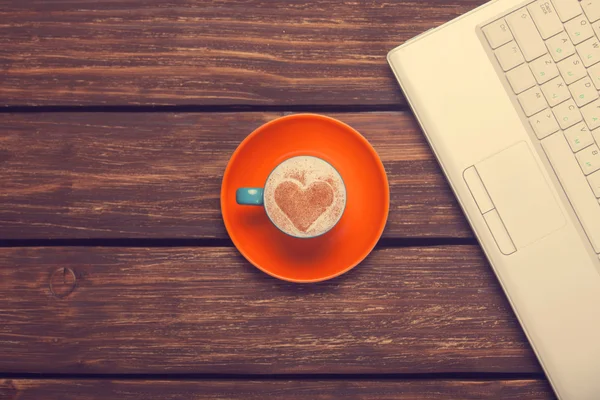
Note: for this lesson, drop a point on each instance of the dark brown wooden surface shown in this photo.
(137, 300)
(203, 52)
(158, 175)
(259, 390)
(205, 310)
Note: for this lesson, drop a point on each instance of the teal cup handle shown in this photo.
(250, 196)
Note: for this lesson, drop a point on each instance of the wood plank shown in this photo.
(158, 175)
(206, 310)
(69, 389)
(203, 52)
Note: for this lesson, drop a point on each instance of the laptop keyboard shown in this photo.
(550, 54)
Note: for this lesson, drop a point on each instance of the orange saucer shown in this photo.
(357, 232)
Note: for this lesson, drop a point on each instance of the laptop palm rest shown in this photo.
(514, 198)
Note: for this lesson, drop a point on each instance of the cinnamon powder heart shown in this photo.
(303, 206)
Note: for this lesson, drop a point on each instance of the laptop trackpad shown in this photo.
(520, 194)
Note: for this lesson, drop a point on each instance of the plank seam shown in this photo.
(462, 376)
(144, 243)
(233, 108)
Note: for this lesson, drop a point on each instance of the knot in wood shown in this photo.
(62, 282)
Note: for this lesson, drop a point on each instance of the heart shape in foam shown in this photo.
(303, 205)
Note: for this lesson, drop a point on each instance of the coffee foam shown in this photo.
(307, 174)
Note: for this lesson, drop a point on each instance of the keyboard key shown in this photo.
(591, 113)
(596, 27)
(579, 137)
(579, 29)
(583, 91)
(497, 33)
(594, 180)
(560, 46)
(556, 91)
(596, 135)
(526, 34)
(520, 78)
(567, 9)
(591, 9)
(545, 18)
(594, 72)
(589, 51)
(575, 185)
(543, 69)
(567, 114)
(572, 69)
(544, 123)
(509, 56)
(532, 101)
(589, 159)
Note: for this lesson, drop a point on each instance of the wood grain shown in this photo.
(206, 310)
(158, 175)
(205, 52)
(256, 389)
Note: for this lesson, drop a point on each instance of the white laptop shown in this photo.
(507, 96)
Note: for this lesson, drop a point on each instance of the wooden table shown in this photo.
(117, 277)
